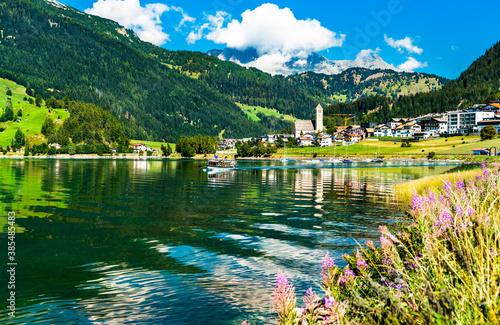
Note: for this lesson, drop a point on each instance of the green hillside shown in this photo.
(480, 82)
(60, 52)
(32, 116)
(356, 83)
(155, 93)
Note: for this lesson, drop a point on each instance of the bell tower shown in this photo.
(319, 118)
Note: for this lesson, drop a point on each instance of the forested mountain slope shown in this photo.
(55, 50)
(480, 82)
(52, 52)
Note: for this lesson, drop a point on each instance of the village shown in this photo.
(452, 123)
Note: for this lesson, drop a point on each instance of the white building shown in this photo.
(435, 126)
(382, 130)
(138, 147)
(325, 140)
(306, 140)
(466, 121)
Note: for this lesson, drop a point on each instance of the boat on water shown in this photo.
(315, 161)
(346, 161)
(334, 160)
(377, 160)
(220, 165)
(284, 159)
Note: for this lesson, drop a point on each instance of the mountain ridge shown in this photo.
(314, 62)
(155, 93)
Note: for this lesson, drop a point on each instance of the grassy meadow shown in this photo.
(251, 112)
(32, 118)
(461, 145)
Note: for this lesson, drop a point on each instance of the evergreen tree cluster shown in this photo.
(251, 149)
(188, 147)
(55, 52)
(89, 129)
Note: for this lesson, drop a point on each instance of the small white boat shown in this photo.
(220, 165)
(335, 161)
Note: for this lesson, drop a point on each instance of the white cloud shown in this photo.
(270, 62)
(275, 33)
(366, 53)
(270, 29)
(214, 23)
(144, 21)
(411, 64)
(405, 43)
(300, 63)
(454, 48)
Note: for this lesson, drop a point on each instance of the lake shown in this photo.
(149, 241)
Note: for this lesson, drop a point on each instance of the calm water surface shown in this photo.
(163, 242)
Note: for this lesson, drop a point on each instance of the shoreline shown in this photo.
(136, 157)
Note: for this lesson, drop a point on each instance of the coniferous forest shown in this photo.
(158, 94)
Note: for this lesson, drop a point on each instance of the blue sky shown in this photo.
(440, 37)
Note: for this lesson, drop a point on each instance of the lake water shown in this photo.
(163, 242)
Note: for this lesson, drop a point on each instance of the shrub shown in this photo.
(52, 151)
(488, 132)
(431, 155)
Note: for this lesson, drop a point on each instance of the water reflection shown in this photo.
(156, 241)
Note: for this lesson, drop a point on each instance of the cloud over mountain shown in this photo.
(144, 21)
(275, 33)
(411, 64)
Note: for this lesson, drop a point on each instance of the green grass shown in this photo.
(252, 111)
(368, 147)
(153, 144)
(32, 119)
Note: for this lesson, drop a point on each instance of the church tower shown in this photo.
(319, 118)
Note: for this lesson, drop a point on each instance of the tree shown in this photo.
(188, 151)
(20, 112)
(166, 151)
(488, 132)
(8, 114)
(280, 143)
(48, 127)
(9, 92)
(38, 100)
(19, 139)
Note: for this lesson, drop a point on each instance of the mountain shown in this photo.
(315, 62)
(356, 83)
(55, 50)
(156, 94)
(479, 83)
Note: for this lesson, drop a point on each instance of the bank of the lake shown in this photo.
(441, 267)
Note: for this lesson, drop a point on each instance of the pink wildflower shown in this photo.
(327, 262)
(448, 186)
(284, 297)
(417, 203)
(361, 263)
(348, 273)
(329, 302)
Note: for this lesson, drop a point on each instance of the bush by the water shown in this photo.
(442, 267)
